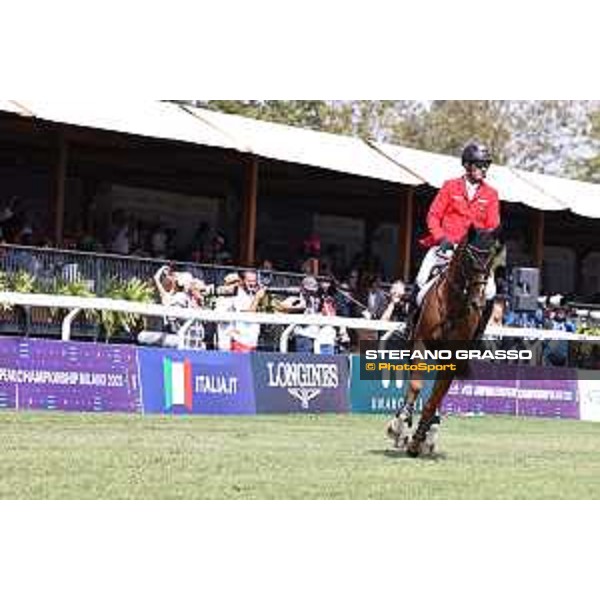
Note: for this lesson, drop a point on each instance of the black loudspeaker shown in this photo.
(525, 288)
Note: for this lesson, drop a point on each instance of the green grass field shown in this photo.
(290, 456)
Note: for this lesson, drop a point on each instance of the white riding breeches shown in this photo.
(434, 258)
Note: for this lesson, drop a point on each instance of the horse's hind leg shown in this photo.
(398, 429)
(428, 416)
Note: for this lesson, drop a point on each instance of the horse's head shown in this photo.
(483, 240)
(475, 256)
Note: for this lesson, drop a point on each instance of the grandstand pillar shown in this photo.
(59, 189)
(249, 195)
(538, 238)
(405, 234)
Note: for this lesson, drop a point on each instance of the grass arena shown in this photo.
(329, 456)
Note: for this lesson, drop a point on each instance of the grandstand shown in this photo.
(75, 170)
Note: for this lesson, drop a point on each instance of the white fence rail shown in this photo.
(189, 315)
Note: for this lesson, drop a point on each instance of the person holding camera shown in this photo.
(396, 307)
(174, 291)
(244, 335)
(313, 300)
(224, 297)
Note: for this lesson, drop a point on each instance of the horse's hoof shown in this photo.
(415, 447)
(428, 450)
(397, 431)
(412, 452)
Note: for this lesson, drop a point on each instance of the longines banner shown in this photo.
(70, 376)
(188, 382)
(287, 383)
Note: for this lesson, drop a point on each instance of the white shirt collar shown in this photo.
(471, 188)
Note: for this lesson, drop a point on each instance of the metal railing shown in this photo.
(49, 265)
(52, 267)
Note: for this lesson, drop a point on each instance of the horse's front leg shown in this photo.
(419, 441)
(398, 429)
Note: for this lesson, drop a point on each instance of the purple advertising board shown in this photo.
(9, 350)
(286, 383)
(69, 376)
(195, 382)
(500, 390)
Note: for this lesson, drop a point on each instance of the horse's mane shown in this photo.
(481, 241)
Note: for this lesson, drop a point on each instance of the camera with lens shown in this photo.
(220, 290)
(283, 290)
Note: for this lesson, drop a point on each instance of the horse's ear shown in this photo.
(495, 233)
(472, 235)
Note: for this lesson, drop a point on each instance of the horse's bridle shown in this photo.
(480, 259)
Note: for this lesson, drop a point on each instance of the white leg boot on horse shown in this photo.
(399, 428)
(420, 443)
(432, 438)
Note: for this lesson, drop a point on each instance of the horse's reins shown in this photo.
(477, 256)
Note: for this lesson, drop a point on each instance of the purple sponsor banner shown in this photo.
(493, 389)
(8, 389)
(70, 376)
(548, 398)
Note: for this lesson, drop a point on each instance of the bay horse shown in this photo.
(451, 310)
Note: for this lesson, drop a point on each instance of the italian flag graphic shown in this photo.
(178, 383)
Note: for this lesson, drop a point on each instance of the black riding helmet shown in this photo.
(476, 153)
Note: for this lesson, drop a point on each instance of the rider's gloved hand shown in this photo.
(445, 245)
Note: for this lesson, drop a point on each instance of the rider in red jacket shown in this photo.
(460, 203)
(464, 201)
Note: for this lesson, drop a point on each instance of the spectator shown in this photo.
(266, 265)
(395, 309)
(25, 237)
(220, 254)
(311, 253)
(347, 293)
(197, 293)
(198, 248)
(173, 289)
(312, 301)
(120, 234)
(86, 241)
(353, 281)
(397, 306)
(343, 301)
(376, 298)
(328, 298)
(225, 303)
(556, 352)
(497, 315)
(530, 319)
(158, 242)
(244, 336)
(8, 219)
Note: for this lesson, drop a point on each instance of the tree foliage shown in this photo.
(543, 135)
(587, 167)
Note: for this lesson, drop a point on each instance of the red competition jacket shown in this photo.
(451, 212)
